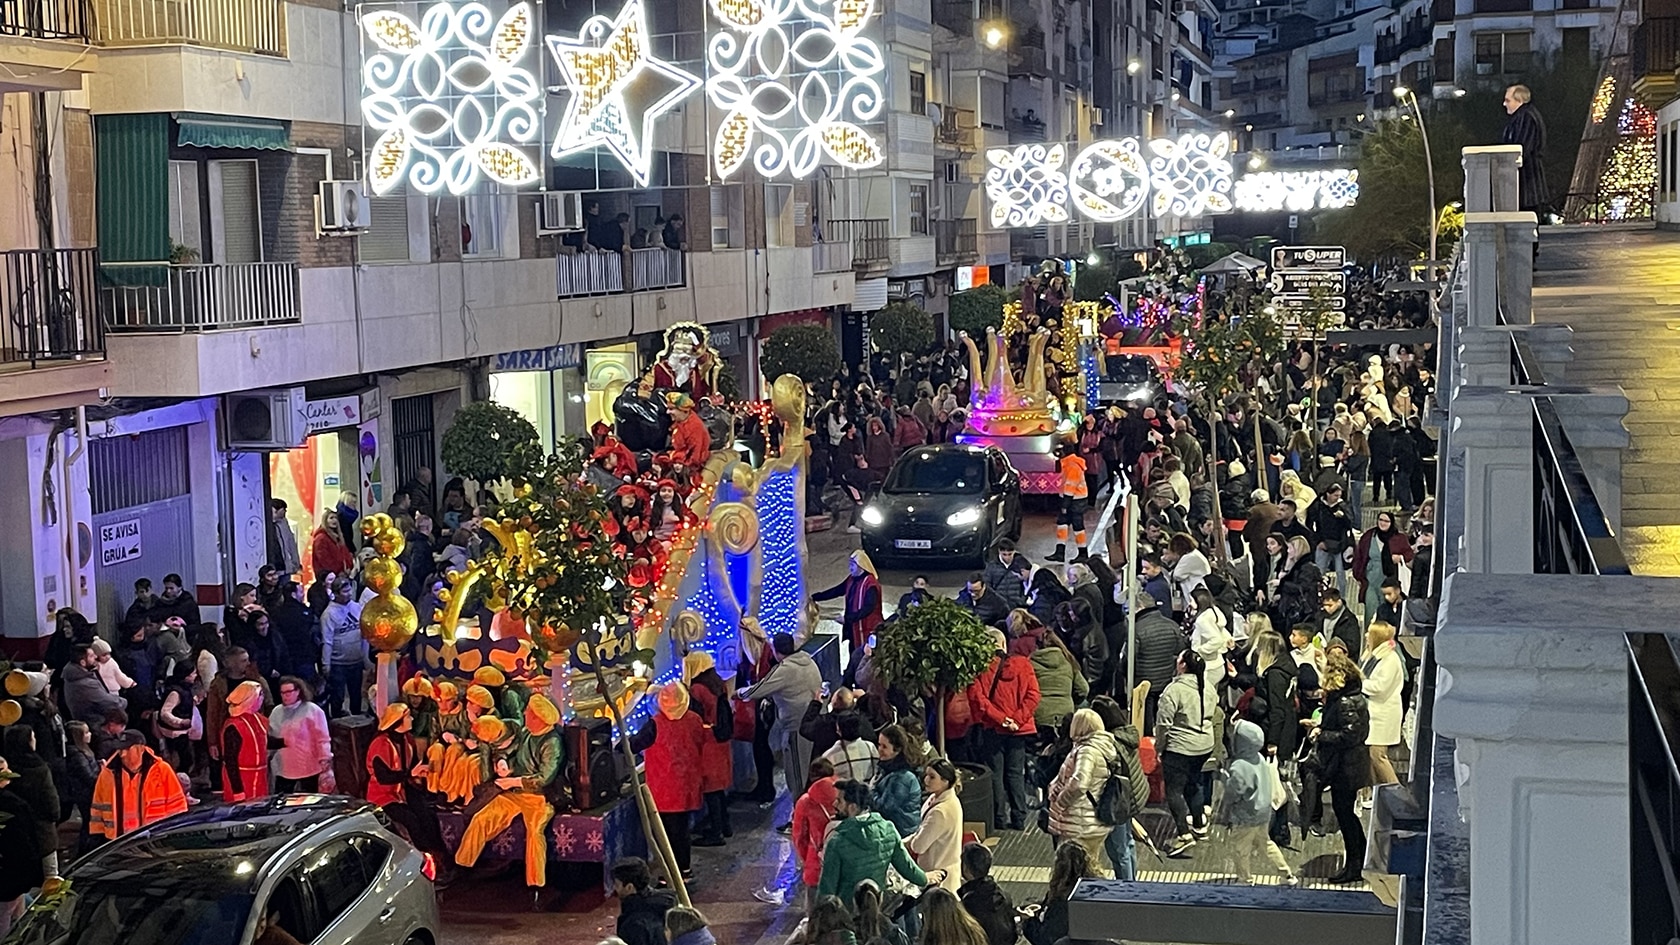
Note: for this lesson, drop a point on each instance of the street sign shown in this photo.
(1308, 257)
(1306, 282)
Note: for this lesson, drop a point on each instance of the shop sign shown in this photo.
(551, 358)
(331, 413)
(724, 339)
(970, 276)
(119, 542)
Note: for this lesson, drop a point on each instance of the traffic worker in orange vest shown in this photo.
(135, 788)
(1074, 495)
(244, 744)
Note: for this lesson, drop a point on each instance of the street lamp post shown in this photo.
(1404, 94)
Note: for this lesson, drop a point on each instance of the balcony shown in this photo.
(193, 297)
(655, 267)
(51, 307)
(1442, 11)
(1655, 53)
(589, 273)
(870, 245)
(1024, 130)
(47, 19)
(955, 240)
(244, 26)
(831, 253)
(957, 129)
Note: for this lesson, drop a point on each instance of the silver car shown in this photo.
(326, 869)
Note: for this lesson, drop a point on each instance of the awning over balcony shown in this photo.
(132, 191)
(197, 130)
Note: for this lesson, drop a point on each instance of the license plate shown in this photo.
(913, 543)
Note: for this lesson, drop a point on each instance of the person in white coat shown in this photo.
(1079, 784)
(1385, 677)
(937, 842)
(299, 728)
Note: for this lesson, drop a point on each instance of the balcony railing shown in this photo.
(955, 239)
(589, 273)
(198, 296)
(1656, 46)
(249, 26)
(831, 253)
(51, 306)
(47, 19)
(956, 127)
(656, 267)
(869, 241)
(1023, 129)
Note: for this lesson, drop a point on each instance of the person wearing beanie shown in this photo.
(421, 698)
(110, 671)
(391, 763)
(672, 744)
(710, 698)
(533, 760)
(243, 740)
(861, 590)
(453, 727)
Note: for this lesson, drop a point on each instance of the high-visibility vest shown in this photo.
(252, 762)
(1073, 477)
(124, 801)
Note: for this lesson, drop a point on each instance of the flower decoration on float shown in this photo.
(453, 98)
(1027, 185)
(618, 89)
(797, 81)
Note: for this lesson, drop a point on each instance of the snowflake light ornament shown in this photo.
(1109, 180)
(453, 97)
(1191, 175)
(1027, 185)
(1339, 189)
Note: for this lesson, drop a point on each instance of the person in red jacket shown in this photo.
(672, 743)
(813, 814)
(710, 698)
(393, 760)
(1003, 699)
(244, 744)
(691, 442)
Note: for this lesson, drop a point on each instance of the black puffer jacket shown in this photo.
(990, 906)
(1346, 721)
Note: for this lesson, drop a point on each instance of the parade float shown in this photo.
(555, 603)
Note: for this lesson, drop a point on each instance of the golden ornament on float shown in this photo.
(388, 620)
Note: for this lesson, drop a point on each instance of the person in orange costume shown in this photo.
(135, 788)
(533, 763)
(691, 442)
(244, 744)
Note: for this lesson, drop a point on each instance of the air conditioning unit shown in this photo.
(1097, 118)
(341, 206)
(264, 421)
(560, 211)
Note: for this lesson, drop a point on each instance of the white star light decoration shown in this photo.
(609, 61)
(453, 98)
(1027, 185)
(1191, 175)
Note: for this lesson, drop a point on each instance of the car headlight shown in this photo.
(872, 515)
(965, 517)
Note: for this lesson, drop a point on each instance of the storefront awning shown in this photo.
(226, 131)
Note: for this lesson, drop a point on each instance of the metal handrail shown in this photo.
(47, 19)
(248, 26)
(49, 306)
(161, 296)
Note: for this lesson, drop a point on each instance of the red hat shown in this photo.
(666, 482)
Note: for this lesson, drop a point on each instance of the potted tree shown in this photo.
(480, 442)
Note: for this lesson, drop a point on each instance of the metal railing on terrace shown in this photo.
(1655, 46)
(955, 239)
(957, 127)
(869, 239)
(161, 297)
(47, 19)
(51, 306)
(250, 26)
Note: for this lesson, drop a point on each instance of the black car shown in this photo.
(1131, 379)
(946, 501)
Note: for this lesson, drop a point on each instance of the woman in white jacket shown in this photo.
(1385, 677)
(1079, 784)
(937, 842)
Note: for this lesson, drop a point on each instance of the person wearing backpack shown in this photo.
(1246, 806)
(717, 769)
(1121, 846)
(1078, 812)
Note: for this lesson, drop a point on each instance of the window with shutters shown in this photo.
(778, 215)
(481, 225)
(918, 92)
(919, 209)
(386, 238)
(236, 219)
(728, 217)
(186, 227)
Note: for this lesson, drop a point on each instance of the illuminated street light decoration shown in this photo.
(1296, 191)
(618, 88)
(453, 97)
(1027, 185)
(1110, 180)
(1192, 174)
(796, 81)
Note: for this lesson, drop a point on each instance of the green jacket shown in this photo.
(535, 758)
(510, 703)
(861, 848)
(1061, 687)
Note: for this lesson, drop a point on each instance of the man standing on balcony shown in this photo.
(1526, 128)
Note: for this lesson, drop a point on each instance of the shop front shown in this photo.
(337, 465)
(546, 387)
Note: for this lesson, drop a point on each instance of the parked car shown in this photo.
(945, 501)
(324, 868)
(1132, 380)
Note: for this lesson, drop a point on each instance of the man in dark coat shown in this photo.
(1526, 128)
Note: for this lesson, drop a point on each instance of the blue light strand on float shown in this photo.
(1093, 381)
(781, 597)
(721, 618)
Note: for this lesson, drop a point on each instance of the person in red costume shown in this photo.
(691, 442)
(686, 365)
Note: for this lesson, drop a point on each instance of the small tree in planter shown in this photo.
(808, 352)
(480, 441)
(937, 645)
(977, 309)
(901, 328)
